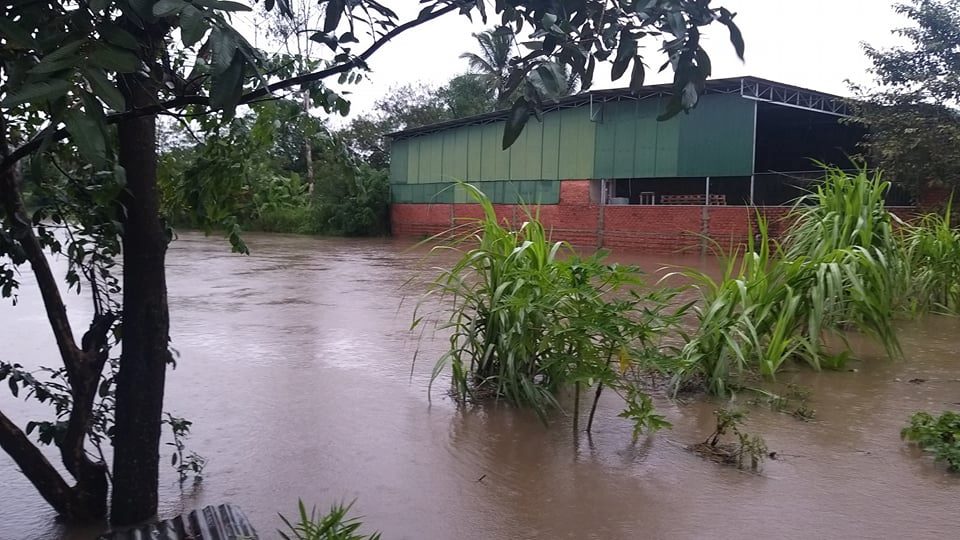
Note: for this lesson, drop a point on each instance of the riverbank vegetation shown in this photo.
(528, 317)
(939, 436)
(337, 524)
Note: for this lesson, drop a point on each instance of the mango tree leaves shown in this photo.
(16, 35)
(166, 8)
(104, 89)
(519, 114)
(40, 91)
(228, 85)
(87, 135)
(192, 26)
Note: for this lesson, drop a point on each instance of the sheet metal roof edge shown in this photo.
(713, 86)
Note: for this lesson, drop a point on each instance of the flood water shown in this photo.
(295, 367)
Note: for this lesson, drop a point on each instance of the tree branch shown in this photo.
(35, 466)
(51, 135)
(11, 200)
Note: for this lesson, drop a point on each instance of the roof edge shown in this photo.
(749, 87)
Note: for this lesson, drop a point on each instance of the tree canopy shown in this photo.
(911, 115)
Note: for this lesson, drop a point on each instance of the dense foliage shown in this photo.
(938, 435)
(838, 268)
(911, 115)
(334, 525)
(529, 317)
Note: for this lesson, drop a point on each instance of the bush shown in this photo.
(529, 317)
(353, 202)
(939, 436)
(839, 268)
(334, 525)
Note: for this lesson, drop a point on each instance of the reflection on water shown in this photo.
(295, 366)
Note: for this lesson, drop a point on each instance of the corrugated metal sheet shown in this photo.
(223, 522)
(715, 139)
(559, 148)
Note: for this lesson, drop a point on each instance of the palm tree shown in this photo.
(492, 65)
(493, 62)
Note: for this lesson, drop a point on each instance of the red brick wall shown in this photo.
(661, 229)
(933, 198)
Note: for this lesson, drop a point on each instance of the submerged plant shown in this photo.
(932, 250)
(748, 448)
(793, 400)
(185, 463)
(334, 525)
(838, 268)
(939, 436)
(527, 316)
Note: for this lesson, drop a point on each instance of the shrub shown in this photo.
(527, 317)
(838, 268)
(939, 436)
(334, 525)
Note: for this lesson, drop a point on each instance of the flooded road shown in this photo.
(295, 367)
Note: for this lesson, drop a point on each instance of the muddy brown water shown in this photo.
(295, 367)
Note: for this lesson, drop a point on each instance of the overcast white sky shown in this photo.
(814, 44)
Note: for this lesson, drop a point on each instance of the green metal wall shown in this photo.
(560, 147)
(714, 139)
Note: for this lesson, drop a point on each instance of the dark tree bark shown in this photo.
(146, 326)
(87, 499)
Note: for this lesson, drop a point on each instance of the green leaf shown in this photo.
(326, 39)
(223, 5)
(92, 107)
(638, 75)
(139, 10)
(46, 66)
(519, 114)
(193, 25)
(115, 59)
(228, 86)
(331, 18)
(166, 8)
(100, 5)
(104, 89)
(119, 37)
(65, 51)
(16, 35)
(87, 135)
(625, 53)
(223, 46)
(726, 17)
(38, 91)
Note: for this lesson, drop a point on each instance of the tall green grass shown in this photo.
(838, 268)
(527, 317)
(932, 251)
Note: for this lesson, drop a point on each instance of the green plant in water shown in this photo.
(838, 268)
(748, 447)
(527, 317)
(334, 525)
(939, 436)
(793, 400)
(185, 463)
(932, 251)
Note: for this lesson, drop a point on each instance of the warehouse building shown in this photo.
(605, 172)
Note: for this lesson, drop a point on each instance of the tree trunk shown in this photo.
(308, 145)
(146, 325)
